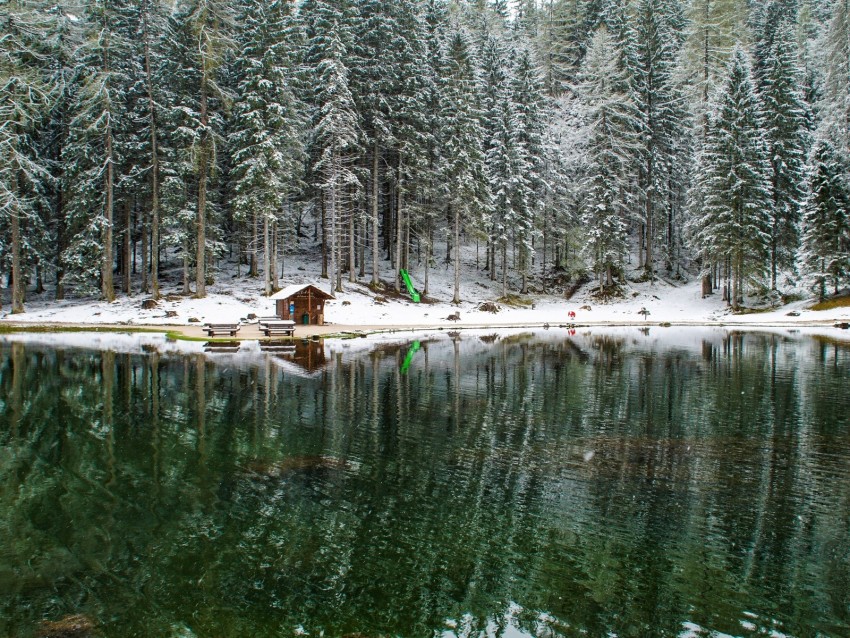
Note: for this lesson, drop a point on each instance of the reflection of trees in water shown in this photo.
(617, 489)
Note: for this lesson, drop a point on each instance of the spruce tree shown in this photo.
(266, 137)
(433, 183)
(151, 24)
(468, 200)
(369, 85)
(733, 183)
(826, 221)
(530, 125)
(24, 98)
(201, 38)
(786, 120)
(335, 136)
(614, 124)
(835, 109)
(407, 68)
(499, 152)
(661, 104)
(94, 154)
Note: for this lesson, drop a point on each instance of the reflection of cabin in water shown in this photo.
(310, 355)
(301, 356)
(302, 303)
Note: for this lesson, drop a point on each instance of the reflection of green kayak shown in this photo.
(410, 352)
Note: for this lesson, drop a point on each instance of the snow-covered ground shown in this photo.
(231, 298)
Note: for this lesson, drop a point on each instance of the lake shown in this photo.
(657, 482)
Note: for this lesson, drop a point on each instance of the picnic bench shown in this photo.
(278, 327)
(262, 321)
(221, 328)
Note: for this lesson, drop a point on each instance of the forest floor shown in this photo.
(359, 309)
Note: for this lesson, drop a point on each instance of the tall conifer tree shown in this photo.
(826, 222)
(733, 182)
(786, 120)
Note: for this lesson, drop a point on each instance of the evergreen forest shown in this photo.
(567, 140)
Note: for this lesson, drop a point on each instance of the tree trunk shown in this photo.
(361, 254)
(375, 246)
(200, 252)
(107, 285)
(203, 165)
(399, 230)
(267, 257)
(187, 290)
(275, 249)
(428, 244)
(253, 266)
(456, 298)
(648, 265)
(405, 257)
(144, 258)
(324, 224)
(504, 268)
(773, 266)
(17, 275)
(735, 284)
(128, 250)
(39, 278)
(352, 266)
(154, 161)
(336, 275)
(60, 240)
(706, 285)
(524, 266)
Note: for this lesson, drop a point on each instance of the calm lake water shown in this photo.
(669, 482)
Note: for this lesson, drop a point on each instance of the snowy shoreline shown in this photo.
(250, 332)
(359, 309)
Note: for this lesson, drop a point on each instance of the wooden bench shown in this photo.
(264, 321)
(278, 328)
(221, 328)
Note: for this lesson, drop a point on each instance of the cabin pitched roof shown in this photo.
(291, 291)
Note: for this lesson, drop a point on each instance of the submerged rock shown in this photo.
(74, 626)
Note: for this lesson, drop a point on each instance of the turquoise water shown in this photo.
(621, 483)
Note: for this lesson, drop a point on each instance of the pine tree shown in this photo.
(614, 124)
(94, 154)
(24, 98)
(201, 38)
(499, 149)
(138, 191)
(433, 185)
(151, 23)
(714, 26)
(506, 183)
(660, 101)
(266, 135)
(464, 169)
(369, 85)
(530, 126)
(560, 42)
(835, 109)
(826, 222)
(786, 123)
(335, 135)
(61, 45)
(408, 71)
(733, 183)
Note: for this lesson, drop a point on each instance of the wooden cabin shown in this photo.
(302, 303)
